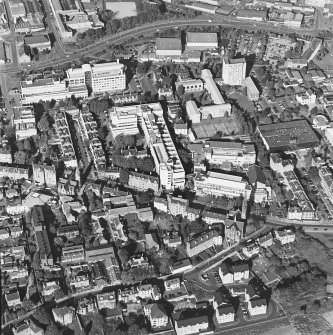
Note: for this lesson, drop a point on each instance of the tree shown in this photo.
(145, 197)
(27, 145)
(167, 81)
(180, 90)
(124, 176)
(44, 123)
(43, 316)
(52, 329)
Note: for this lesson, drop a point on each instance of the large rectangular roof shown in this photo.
(195, 37)
(168, 43)
(290, 135)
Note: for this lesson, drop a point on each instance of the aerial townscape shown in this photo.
(166, 167)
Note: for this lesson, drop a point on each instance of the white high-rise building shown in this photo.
(124, 120)
(100, 78)
(34, 89)
(234, 71)
(107, 77)
(128, 119)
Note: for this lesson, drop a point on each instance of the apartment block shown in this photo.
(74, 254)
(143, 182)
(64, 139)
(24, 122)
(220, 184)
(203, 241)
(236, 153)
(44, 175)
(150, 119)
(234, 71)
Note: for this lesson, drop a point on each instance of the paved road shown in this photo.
(194, 275)
(65, 55)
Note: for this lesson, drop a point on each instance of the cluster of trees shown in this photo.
(25, 151)
(149, 13)
(127, 141)
(92, 201)
(99, 106)
(134, 275)
(145, 164)
(303, 275)
(84, 222)
(145, 197)
(133, 324)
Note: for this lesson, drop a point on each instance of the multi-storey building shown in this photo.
(81, 281)
(107, 77)
(285, 236)
(255, 296)
(251, 89)
(191, 323)
(35, 89)
(220, 184)
(100, 78)
(166, 158)
(6, 155)
(189, 85)
(106, 300)
(177, 205)
(44, 248)
(37, 218)
(24, 122)
(69, 231)
(150, 119)
(266, 240)
(233, 231)
(211, 217)
(236, 153)
(156, 315)
(212, 88)
(49, 288)
(28, 328)
(202, 242)
(64, 140)
(234, 71)
(89, 129)
(161, 204)
(68, 186)
(14, 171)
(326, 181)
(225, 313)
(234, 272)
(85, 306)
(74, 254)
(64, 315)
(44, 175)
(141, 181)
(106, 255)
(13, 299)
(201, 41)
(124, 120)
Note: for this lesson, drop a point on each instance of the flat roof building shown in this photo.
(234, 71)
(288, 136)
(201, 41)
(168, 46)
(251, 89)
(221, 184)
(39, 42)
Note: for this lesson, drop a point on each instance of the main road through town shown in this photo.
(67, 54)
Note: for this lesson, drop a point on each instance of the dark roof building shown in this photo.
(288, 136)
